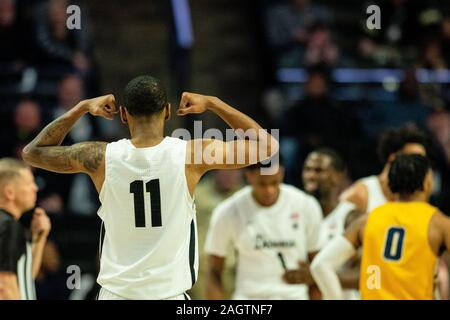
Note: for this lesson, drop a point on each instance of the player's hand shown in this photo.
(193, 103)
(40, 225)
(104, 106)
(302, 275)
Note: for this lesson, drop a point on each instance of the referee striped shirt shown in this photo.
(16, 254)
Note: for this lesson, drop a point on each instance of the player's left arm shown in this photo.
(46, 152)
(333, 256)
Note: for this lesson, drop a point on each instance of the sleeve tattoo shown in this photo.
(46, 152)
(81, 157)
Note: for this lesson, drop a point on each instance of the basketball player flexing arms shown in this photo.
(146, 184)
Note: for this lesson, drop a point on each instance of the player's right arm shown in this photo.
(9, 287)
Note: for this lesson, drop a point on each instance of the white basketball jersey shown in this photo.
(150, 246)
(334, 222)
(375, 193)
(267, 240)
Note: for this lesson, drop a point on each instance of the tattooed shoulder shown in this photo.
(88, 154)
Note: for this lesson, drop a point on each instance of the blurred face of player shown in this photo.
(24, 190)
(266, 188)
(319, 176)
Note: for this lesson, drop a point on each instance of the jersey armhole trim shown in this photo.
(190, 199)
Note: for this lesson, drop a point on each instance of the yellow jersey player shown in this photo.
(401, 240)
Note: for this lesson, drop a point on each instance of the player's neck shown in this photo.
(329, 202)
(145, 135)
(415, 197)
(12, 209)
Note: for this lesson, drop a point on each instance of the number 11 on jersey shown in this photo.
(137, 189)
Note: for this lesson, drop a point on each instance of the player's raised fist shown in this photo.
(193, 103)
(104, 106)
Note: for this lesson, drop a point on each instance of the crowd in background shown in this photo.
(45, 69)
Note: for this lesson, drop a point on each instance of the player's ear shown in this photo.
(428, 184)
(167, 112)
(123, 115)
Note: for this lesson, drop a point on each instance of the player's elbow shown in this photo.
(29, 154)
(26, 154)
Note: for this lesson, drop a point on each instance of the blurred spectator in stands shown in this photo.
(12, 35)
(27, 124)
(445, 30)
(438, 124)
(51, 280)
(316, 121)
(71, 92)
(320, 48)
(287, 26)
(431, 55)
(56, 42)
(406, 108)
(213, 189)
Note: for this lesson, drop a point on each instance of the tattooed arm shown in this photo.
(46, 152)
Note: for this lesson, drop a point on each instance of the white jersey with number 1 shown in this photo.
(267, 240)
(150, 244)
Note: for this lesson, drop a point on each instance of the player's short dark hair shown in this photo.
(407, 173)
(145, 96)
(393, 140)
(266, 163)
(337, 162)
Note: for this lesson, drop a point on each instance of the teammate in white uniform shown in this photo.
(323, 177)
(371, 192)
(146, 184)
(273, 228)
